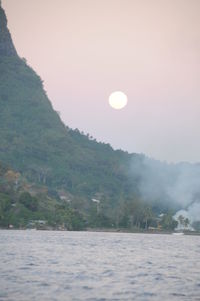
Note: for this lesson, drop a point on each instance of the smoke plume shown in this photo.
(173, 185)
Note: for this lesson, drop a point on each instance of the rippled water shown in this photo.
(40, 265)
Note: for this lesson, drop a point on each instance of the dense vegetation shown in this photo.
(20, 209)
(27, 205)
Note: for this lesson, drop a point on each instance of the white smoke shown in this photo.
(186, 187)
(172, 184)
(192, 213)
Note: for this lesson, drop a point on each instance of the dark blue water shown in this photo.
(41, 265)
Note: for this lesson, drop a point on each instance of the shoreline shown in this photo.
(135, 231)
(108, 230)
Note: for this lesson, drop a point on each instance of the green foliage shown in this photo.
(168, 222)
(22, 210)
(184, 221)
(5, 206)
(28, 201)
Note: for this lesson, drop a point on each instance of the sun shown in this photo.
(118, 100)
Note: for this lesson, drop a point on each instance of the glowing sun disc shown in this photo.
(118, 100)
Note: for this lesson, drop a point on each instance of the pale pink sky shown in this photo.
(149, 49)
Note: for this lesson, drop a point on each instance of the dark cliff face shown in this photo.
(6, 45)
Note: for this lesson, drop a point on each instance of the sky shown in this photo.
(149, 49)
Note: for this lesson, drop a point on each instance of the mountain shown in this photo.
(6, 45)
(106, 187)
(35, 142)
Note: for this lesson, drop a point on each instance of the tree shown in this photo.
(5, 206)
(147, 216)
(29, 201)
(186, 222)
(168, 222)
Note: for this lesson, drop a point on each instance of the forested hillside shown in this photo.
(36, 142)
(100, 187)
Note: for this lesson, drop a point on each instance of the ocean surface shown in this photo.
(50, 265)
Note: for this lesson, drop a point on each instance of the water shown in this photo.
(41, 265)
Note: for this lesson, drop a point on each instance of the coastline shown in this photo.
(112, 230)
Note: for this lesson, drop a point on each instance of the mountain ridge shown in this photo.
(7, 47)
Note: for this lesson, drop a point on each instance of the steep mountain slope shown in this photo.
(6, 45)
(35, 142)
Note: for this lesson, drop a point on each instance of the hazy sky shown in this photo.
(149, 49)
